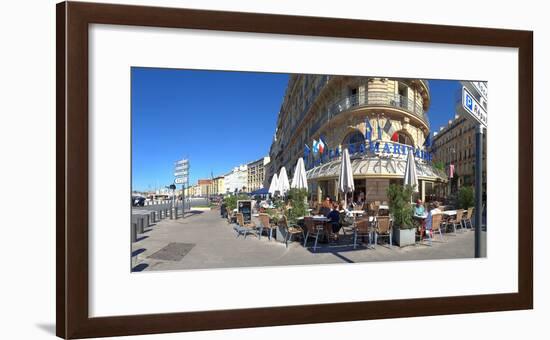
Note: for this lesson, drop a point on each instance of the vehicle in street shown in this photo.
(138, 201)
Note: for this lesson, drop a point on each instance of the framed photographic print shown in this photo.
(222, 170)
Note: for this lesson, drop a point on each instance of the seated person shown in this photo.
(325, 207)
(433, 211)
(419, 208)
(334, 220)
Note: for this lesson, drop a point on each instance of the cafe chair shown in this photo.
(361, 228)
(243, 228)
(312, 230)
(456, 220)
(383, 229)
(265, 225)
(467, 219)
(436, 228)
(291, 229)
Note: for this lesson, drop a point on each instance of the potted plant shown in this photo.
(466, 197)
(297, 202)
(401, 211)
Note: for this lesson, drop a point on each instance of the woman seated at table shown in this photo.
(419, 210)
(326, 207)
(434, 210)
(334, 220)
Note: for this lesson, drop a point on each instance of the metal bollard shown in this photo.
(147, 220)
(133, 232)
(176, 212)
(171, 214)
(140, 224)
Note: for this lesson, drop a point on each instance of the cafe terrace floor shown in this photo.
(208, 241)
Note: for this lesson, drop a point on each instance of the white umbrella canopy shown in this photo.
(345, 179)
(274, 186)
(411, 178)
(283, 181)
(299, 180)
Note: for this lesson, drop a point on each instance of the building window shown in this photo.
(354, 137)
(402, 137)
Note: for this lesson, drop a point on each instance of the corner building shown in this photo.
(379, 120)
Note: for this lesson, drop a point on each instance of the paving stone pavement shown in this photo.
(216, 246)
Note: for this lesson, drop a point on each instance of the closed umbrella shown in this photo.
(411, 178)
(299, 180)
(274, 186)
(345, 178)
(283, 181)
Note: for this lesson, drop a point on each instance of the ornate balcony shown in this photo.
(378, 99)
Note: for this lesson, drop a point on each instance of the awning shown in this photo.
(262, 191)
(377, 167)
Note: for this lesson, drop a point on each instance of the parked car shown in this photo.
(138, 201)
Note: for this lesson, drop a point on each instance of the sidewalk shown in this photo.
(204, 240)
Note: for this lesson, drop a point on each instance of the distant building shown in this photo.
(256, 174)
(192, 191)
(236, 180)
(218, 186)
(454, 146)
(205, 187)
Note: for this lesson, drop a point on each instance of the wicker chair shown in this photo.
(243, 228)
(467, 219)
(265, 224)
(291, 230)
(456, 220)
(436, 228)
(383, 229)
(361, 228)
(312, 230)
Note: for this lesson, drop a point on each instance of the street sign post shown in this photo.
(180, 180)
(478, 113)
(181, 174)
(473, 107)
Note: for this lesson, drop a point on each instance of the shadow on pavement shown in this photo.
(140, 267)
(138, 251)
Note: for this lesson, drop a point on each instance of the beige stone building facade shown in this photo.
(256, 174)
(379, 120)
(205, 187)
(454, 145)
(218, 187)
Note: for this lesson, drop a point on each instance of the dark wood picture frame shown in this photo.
(72, 162)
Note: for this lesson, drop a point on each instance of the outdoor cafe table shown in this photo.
(384, 207)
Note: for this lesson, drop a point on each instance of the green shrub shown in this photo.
(400, 205)
(231, 200)
(466, 197)
(297, 199)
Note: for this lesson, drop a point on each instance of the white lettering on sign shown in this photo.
(473, 108)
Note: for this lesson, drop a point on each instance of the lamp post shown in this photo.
(479, 189)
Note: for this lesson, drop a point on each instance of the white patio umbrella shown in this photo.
(345, 179)
(274, 186)
(283, 181)
(411, 178)
(299, 180)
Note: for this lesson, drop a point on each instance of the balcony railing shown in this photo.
(378, 99)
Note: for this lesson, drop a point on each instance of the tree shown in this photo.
(466, 197)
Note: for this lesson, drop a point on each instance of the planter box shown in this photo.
(404, 237)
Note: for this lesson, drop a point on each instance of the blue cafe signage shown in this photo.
(373, 148)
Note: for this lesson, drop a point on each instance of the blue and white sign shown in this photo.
(473, 108)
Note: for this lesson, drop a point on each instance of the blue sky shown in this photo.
(216, 119)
